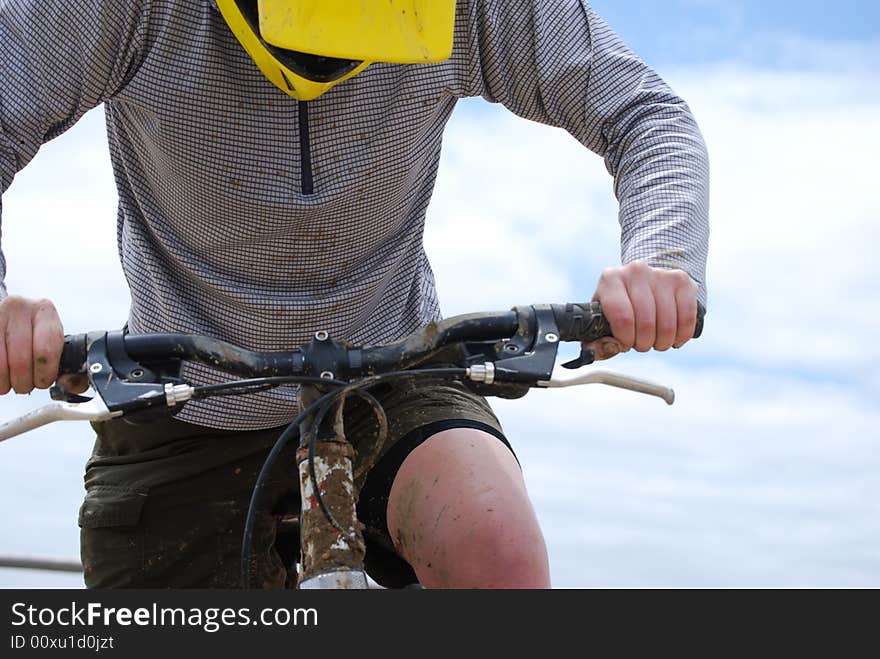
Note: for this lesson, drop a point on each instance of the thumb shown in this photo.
(73, 383)
(605, 348)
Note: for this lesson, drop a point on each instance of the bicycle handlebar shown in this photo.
(574, 322)
(496, 354)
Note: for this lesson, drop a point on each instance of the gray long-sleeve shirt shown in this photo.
(250, 217)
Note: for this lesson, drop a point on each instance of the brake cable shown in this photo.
(253, 385)
(288, 433)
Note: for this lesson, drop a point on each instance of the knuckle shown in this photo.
(12, 303)
(43, 358)
(667, 321)
(616, 310)
(609, 274)
(646, 326)
(638, 267)
(45, 305)
(49, 339)
(689, 285)
(17, 362)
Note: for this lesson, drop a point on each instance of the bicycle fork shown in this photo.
(331, 538)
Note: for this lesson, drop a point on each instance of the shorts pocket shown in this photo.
(111, 539)
(111, 505)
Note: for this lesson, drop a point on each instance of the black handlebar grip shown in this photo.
(586, 322)
(581, 322)
(74, 354)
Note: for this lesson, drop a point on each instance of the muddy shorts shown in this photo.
(166, 501)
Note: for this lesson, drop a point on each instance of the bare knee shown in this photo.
(459, 513)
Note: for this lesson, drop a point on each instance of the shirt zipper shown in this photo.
(305, 150)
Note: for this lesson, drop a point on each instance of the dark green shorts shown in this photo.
(166, 501)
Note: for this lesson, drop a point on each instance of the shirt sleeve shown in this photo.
(58, 59)
(557, 62)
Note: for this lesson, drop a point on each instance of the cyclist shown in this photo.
(274, 160)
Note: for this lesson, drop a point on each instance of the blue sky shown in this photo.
(700, 32)
(764, 472)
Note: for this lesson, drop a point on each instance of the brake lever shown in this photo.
(125, 385)
(615, 380)
(587, 357)
(121, 386)
(60, 393)
(93, 409)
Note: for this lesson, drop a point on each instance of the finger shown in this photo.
(612, 295)
(686, 310)
(666, 314)
(19, 352)
(73, 383)
(47, 344)
(642, 298)
(604, 348)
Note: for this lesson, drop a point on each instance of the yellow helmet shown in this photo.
(304, 47)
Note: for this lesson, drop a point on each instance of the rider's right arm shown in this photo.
(60, 58)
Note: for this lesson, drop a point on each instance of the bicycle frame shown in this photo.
(332, 546)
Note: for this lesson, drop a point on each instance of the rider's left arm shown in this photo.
(559, 63)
